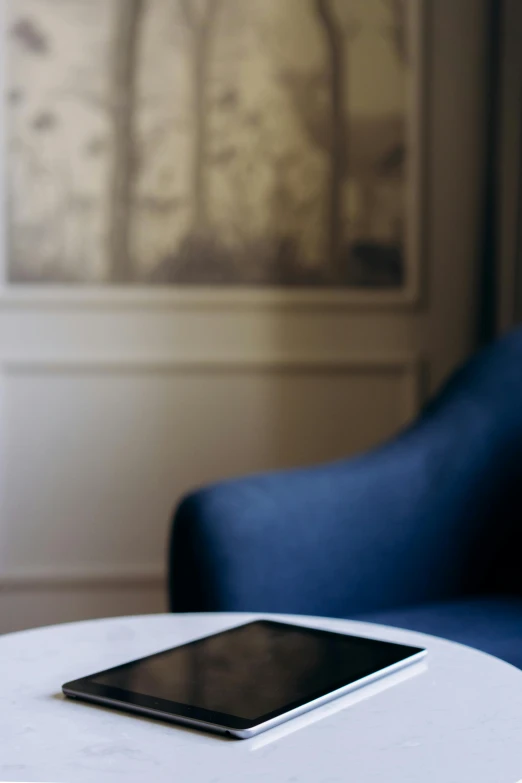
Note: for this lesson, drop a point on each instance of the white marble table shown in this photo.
(455, 719)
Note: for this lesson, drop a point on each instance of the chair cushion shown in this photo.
(490, 624)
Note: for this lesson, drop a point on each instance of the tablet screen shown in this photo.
(254, 671)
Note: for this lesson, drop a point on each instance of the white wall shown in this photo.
(98, 449)
(112, 405)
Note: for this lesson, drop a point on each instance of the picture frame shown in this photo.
(202, 297)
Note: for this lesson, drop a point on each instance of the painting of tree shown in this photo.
(201, 24)
(209, 142)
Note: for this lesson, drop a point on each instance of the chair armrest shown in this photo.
(333, 541)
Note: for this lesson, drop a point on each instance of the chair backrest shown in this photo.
(430, 515)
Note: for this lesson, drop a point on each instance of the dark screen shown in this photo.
(256, 669)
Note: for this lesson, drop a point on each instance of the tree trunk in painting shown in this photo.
(123, 109)
(399, 29)
(202, 32)
(338, 129)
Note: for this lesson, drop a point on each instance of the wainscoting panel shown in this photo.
(96, 454)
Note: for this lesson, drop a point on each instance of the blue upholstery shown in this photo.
(489, 623)
(424, 519)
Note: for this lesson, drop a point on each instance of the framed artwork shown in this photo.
(244, 150)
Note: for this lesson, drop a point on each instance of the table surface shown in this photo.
(455, 717)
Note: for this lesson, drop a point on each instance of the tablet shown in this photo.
(247, 679)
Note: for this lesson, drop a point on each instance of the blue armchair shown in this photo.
(421, 533)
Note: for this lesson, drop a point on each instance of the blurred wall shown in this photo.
(112, 405)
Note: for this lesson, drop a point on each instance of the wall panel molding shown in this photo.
(131, 577)
(61, 592)
(410, 367)
(201, 298)
(137, 363)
